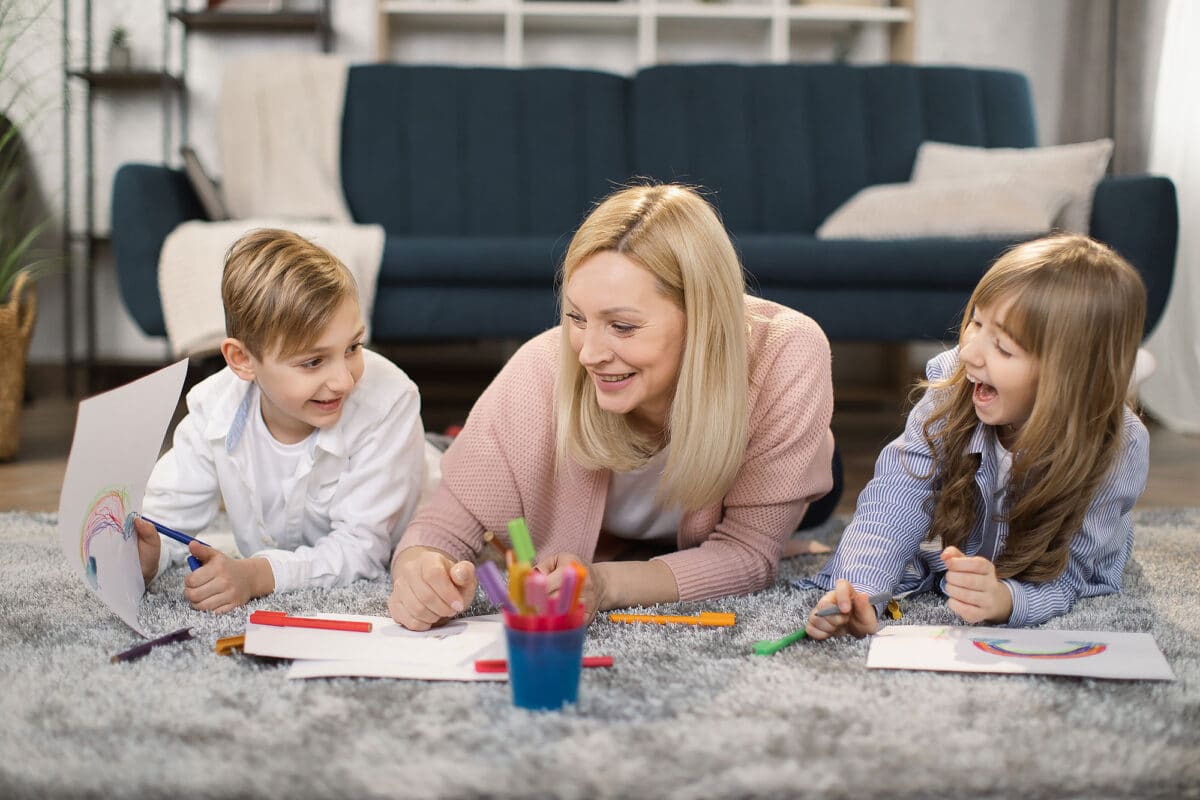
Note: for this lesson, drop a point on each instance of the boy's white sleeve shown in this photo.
(375, 499)
(183, 492)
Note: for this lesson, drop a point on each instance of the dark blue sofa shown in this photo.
(479, 176)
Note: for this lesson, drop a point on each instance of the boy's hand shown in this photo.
(856, 615)
(592, 594)
(149, 546)
(428, 588)
(222, 583)
(976, 594)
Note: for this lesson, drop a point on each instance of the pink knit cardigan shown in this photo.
(501, 466)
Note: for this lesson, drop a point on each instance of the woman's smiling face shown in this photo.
(627, 335)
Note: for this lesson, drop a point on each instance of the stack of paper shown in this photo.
(390, 650)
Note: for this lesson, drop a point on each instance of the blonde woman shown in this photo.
(1010, 489)
(669, 413)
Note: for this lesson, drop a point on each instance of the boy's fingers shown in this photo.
(202, 552)
(145, 530)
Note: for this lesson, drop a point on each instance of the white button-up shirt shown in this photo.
(353, 493)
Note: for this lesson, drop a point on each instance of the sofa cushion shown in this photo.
(474, 260)
(451, 151)
(1077, 168)
(781, 146)
(965, 208)
(802, 260)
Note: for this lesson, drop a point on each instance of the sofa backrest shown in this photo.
(782, 146)
(451, 151)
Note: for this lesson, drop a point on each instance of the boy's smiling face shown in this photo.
(308, 390)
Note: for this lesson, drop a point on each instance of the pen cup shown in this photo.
(545, 655)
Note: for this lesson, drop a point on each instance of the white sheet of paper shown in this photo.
(1090, 654)
(445, 648)
(118, 435)
(463, 671)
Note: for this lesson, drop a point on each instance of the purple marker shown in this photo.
(494, 586)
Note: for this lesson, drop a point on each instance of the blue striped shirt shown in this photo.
(884, 548)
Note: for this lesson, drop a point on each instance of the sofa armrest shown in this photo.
(148, 202)
(1139, 218)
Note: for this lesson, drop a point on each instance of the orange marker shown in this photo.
(707, 619)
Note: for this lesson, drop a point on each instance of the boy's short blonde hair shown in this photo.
(280, 291)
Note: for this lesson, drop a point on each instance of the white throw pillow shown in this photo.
(1078, 167)
(1003, 208)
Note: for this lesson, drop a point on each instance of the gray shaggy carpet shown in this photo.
(686, 712)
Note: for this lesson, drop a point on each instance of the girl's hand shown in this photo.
(428, 588)
(592, 595)
(856, 615)
(222, 583)
(149, 546)
(976, 594)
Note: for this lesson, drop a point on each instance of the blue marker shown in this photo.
(171, 533)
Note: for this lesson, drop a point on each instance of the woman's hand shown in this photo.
(856, 616)
(592, 593)
(428, 588)
(222, 583)
(975, 593)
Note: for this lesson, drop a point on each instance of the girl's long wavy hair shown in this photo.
(672, 232)
(1078, 308)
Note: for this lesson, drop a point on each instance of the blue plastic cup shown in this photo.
(545, 657)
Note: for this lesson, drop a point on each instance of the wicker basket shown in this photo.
(16, 327)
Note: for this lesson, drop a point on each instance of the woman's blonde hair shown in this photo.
(672, 232)
(1078, 308)
(280, 291)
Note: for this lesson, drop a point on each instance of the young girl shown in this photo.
(1011, 487)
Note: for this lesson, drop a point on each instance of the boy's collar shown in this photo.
(232, 413)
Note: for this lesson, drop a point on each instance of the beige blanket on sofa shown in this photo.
(193, 256)
(279, 130)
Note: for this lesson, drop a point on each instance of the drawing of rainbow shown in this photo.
(107, 514)
(996, 647)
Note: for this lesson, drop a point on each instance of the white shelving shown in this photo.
(645, 26)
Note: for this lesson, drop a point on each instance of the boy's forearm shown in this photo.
(261, 575)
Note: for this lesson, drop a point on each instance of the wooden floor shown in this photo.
(32, 482)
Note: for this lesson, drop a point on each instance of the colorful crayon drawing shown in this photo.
(996, 647)
(106, 515)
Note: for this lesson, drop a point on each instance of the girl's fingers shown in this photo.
(843, 593)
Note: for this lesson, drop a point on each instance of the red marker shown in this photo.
(282, 620)
(500, 665)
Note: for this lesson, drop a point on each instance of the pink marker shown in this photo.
(567, 591)
(535, 592)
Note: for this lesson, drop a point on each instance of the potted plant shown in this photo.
(120, 56)
(23, 220)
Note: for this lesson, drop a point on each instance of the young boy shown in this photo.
(315, 445)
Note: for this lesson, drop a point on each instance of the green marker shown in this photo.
(522, 545)
(769, 647)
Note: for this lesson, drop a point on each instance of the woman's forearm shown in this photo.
(635, 583)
